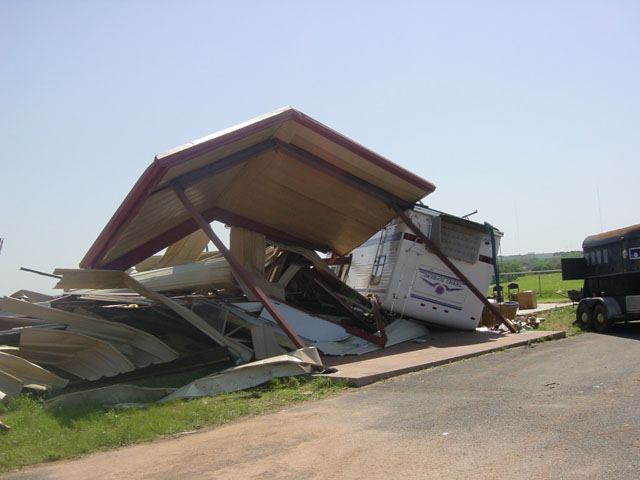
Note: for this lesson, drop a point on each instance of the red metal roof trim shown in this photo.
(125, 213)
(364, 152)
(189, 152)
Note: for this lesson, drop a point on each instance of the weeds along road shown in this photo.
(562, 409)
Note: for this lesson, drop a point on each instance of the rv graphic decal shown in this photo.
(439, 288)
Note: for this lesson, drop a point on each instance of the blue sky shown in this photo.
(526, 111)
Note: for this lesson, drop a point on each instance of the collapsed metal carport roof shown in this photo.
(282, 174)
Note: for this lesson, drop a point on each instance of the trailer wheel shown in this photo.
(600, 319)
(584, 316)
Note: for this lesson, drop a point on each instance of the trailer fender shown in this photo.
(610, 304)
(589, 302)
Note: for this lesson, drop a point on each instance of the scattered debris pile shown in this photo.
(289, 187)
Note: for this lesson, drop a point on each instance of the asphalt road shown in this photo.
(563, 409)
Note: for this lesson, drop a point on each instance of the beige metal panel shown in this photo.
(111, 395)
(355, 164)
(29, 373)
(160, 213)
(217, 154)
(265, 344)
(185, 251)
(317, 224)
(140, 347)
(107, 279)
(147, 217)
(298, 362)
(78, 354)
(279, 175)
(163, 211)
(17, 322)
(148, 263)
(248, 248)
(80, 278)
(211, 273)
(10, 386)
(288, 174)
(31, 296)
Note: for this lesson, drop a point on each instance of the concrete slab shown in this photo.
(543, 307)
(439, 347)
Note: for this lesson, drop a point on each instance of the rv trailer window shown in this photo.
(605, 256)
(599, 256)
(378, 266)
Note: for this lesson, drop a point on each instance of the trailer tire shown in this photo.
(584, 316)
(600, 318)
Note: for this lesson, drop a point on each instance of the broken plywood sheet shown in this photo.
(140, 347)
(398, 331)
(85, 357)
(111, 395)
(10, 386)
(30, 374)
(74, 278)
(298, 362)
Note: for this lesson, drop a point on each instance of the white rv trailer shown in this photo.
(412, 282)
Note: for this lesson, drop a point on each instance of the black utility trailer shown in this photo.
(611, 272)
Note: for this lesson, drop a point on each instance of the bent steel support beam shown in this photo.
(236, 267)
(434, 248)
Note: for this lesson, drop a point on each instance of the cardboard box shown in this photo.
(526, 300)
(508, 310)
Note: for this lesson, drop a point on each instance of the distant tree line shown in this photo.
(536, 264)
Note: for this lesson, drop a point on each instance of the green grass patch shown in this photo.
(39, 435)
(546, 286)
(560, 319)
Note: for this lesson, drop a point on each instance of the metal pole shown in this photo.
(496, 272)
(236, 267)
(40, 273)
(434, 248)
(540, 285)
